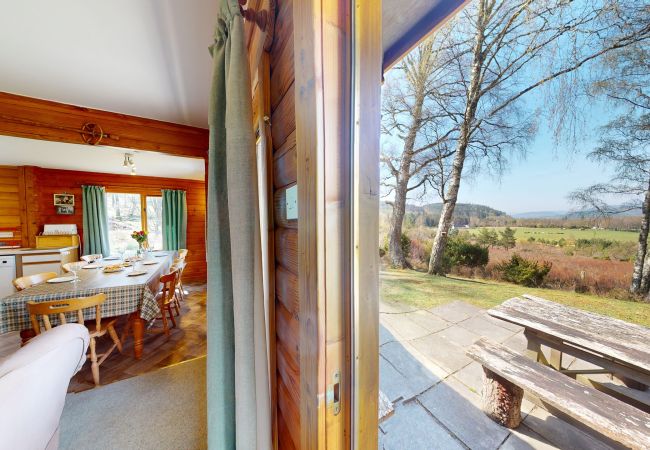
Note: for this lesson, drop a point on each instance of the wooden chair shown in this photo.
(182, 253)
(91, 258)
(32, 280)
(179, 265)
(96, 327)
(166, 299)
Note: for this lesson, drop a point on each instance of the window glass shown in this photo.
(124, 217)
(154, 222)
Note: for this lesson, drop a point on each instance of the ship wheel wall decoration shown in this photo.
(91, 133)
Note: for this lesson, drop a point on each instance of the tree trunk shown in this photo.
(473, 96)
(397, 257)
(637, 285)
(403, 177)
(502, 399)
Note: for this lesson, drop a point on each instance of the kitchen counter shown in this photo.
(29, 251)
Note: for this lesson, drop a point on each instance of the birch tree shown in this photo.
(498, 53)
(412, 121)
(625, 146)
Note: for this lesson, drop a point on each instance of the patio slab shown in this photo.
(402, 326)
(436, 388)
(442, 352)
(392, 383)
(458, 409)
(459, 336)
(412, 427)
(486, 328)
(418, 377)
(428, 321)
(455, 311)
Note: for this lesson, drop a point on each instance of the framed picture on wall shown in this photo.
(64, 199)
(65, 209)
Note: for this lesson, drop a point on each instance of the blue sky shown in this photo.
(543, 179)
(541, 182)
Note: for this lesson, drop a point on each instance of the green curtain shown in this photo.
(174, 212)
(237, 382)
(95, 220)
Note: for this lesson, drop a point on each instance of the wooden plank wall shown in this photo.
(11, 204)
(287, 301)
(43, 183)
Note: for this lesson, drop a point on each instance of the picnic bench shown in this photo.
(615, 346)
(509, 374)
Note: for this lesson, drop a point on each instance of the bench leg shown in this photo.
(502, 399)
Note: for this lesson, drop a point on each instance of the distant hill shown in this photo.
(429, 215)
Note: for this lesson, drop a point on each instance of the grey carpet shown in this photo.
(161, 410)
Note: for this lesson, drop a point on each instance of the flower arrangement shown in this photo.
(140, 237)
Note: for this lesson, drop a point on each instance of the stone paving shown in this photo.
(435, 387)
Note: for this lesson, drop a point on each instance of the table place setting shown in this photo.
(62, 279)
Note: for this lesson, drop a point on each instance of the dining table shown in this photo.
(131, 291)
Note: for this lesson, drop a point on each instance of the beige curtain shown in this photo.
(239, 410)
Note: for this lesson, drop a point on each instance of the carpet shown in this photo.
(160, 410)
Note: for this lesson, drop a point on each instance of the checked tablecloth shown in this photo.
(124, 294)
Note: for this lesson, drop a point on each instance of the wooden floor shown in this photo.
(187, 341)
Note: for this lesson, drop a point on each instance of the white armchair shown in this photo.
(33, 385)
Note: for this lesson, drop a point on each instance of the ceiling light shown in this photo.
(128, 162)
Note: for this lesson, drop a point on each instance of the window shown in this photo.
(154, 222)
(124, 217)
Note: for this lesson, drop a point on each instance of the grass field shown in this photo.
(425, 291)
(524, 233)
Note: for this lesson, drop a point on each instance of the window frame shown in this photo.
(144, 224)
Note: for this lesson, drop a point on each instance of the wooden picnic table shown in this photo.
(616, 346)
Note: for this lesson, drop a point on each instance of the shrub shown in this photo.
(461, 252)
(487, 237)
(523, 271)
(507, 238)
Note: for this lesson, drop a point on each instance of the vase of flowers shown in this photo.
(141, 238)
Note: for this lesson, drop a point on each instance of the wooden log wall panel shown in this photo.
(42, 119)
(280, 209)
(284, 168)
(289, 371)
(286, 290)
(289, 410)
(282, 75)
(284, 435)
(10, 205)
(283, 119)
(286, 249)
(287, 299)
(50, 181)
(287, 330)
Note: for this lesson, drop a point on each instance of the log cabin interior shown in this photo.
(273, 143)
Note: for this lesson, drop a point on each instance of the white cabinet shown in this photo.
(7, 274)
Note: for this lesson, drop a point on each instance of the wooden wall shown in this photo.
(42, 184)
(287, 301)
(11, 204)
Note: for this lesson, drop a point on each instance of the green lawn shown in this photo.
(523, 233)
(425, 291)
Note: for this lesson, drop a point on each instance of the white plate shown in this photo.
(149, 263)
(111, 258)
(62, 279)
(92, 266)
(160, 256)
(136, 273)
